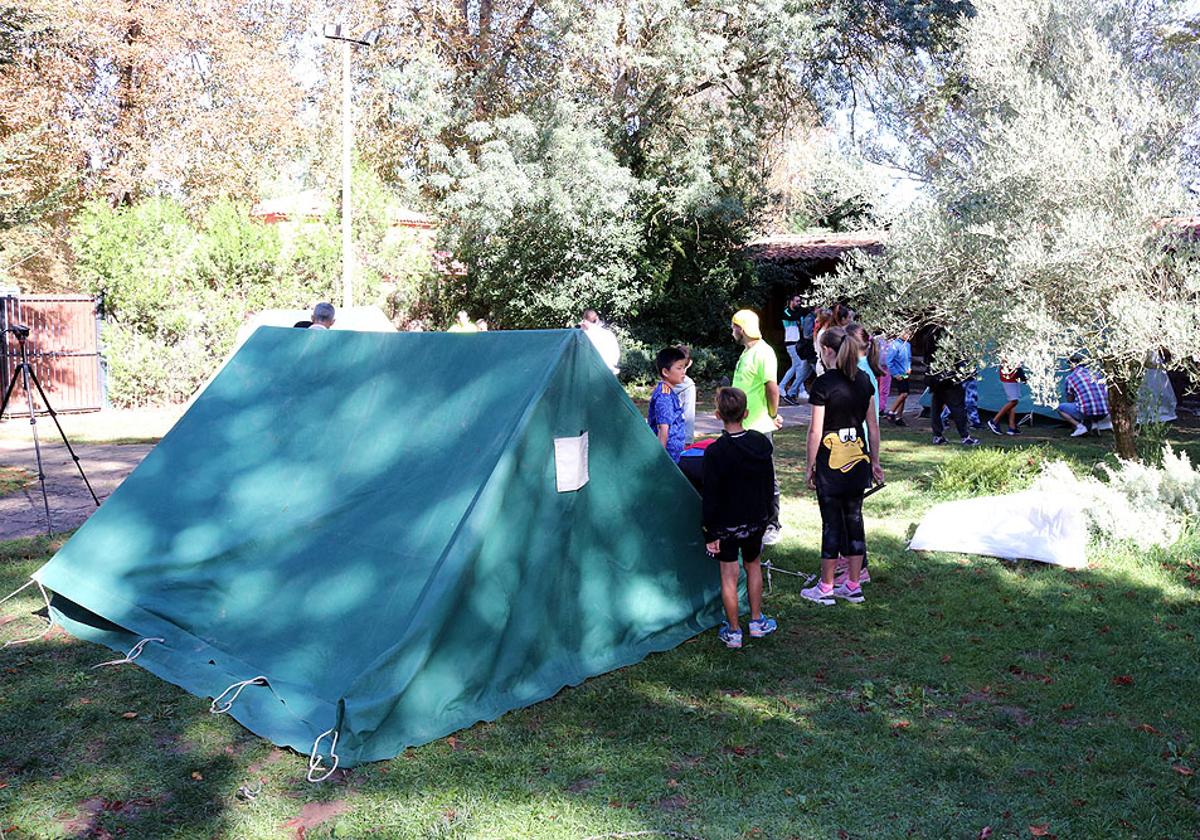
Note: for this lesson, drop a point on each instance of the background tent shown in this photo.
(1156, 399)
(383, 527)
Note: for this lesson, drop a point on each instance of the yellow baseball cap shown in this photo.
(747, 319)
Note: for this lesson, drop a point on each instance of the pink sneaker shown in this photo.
(843, 576)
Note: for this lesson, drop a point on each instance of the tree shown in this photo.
(130, 97)
(545, 217)
(1053, 170)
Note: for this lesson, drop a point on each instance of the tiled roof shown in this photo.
(307, 204)
(806, 247)
(1190, 224)
(403, 217)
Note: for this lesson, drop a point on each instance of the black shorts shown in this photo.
(750, 546)
(900, 384)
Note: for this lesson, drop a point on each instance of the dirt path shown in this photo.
(23, 514)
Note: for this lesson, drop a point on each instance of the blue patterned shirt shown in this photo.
(666, 410)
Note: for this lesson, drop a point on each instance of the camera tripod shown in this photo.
(25, 369)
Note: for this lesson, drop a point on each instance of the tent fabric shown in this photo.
(1033, 525)
(371, 523)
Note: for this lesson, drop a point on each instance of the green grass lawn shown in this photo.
(966, 694)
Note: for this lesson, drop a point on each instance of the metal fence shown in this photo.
(63, 348)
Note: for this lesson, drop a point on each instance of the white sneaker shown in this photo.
(854, 596)
(814, 594)
(772, 535)
(1079, 431)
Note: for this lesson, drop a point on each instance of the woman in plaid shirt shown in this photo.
(1087, 397)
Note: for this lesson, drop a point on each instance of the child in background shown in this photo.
(666, 413)
(739, 482)
(1011, 377)
(687, 398)
(882, 345)
(899, 365)
(868, 360)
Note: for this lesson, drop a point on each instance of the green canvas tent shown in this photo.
(385, 538)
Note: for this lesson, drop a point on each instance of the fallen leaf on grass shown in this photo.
(901, 724)
(1127, 824)
(1145, 727)
(1040, 830)
(197, 776)
(1183, 770)
(129, 715)
(1123, 679)
(985, 832)
(1066, 707)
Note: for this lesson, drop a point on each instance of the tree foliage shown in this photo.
(1054, 172)
(126, 97)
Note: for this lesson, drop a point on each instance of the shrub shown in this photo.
(983, 471)
(175, 293)
(709, 365)
(1136, 502)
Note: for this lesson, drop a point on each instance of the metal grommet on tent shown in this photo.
(314, 760)
(49, 618)
(217, 709)
(134, 652)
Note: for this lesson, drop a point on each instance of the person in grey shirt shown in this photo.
(687, 398)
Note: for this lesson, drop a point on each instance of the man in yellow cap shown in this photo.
(757, 375)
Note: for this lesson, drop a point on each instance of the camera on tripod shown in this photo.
(23, 374)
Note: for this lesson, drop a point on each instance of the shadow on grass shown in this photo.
(964, 694)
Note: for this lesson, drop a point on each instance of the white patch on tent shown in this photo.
(571, 463)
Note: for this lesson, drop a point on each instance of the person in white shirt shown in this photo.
(602, 339)
(322, 316)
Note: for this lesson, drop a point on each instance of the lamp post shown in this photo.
(335, 32)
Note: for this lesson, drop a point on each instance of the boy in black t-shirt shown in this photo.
(739, 484)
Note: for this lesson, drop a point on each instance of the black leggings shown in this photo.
(842, 530)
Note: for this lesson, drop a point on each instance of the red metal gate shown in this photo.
(63, 348)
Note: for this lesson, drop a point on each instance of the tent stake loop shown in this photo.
(134, 652)
(218, 709)
(49, 617)
(314, 760)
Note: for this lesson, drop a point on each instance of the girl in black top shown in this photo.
(840, 464)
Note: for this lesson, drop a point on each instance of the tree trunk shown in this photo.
(1122, 405)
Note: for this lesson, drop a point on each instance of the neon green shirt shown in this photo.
(755, 368)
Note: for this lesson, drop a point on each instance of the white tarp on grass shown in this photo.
(1033, 525)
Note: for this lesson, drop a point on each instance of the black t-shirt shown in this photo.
(843, 466)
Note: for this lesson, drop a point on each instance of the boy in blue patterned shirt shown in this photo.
(666, 412)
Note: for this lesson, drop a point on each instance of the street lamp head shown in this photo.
(338, 32)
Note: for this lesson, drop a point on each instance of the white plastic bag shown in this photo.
(1033, 525)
